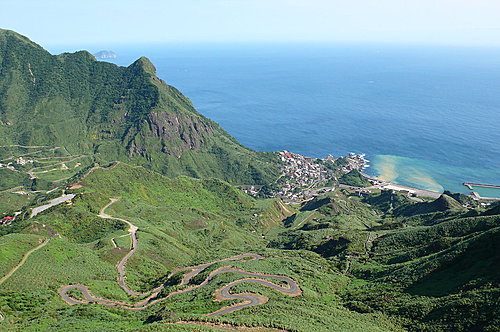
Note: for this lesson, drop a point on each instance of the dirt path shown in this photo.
(90, 171)
(118, 237)
(32, 173)
(229, 327)
(31, 153)
(305, 219)
(25, 257)
(280, 202)
(25, 146)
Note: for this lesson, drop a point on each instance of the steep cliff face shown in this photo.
(125, 113)
(175, 133)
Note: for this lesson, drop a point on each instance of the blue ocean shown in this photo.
(426, 116)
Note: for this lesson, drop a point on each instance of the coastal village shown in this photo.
(302, 178)
(303, 174)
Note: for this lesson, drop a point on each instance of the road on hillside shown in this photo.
(249, 299)
(291, 288)
(121, 264)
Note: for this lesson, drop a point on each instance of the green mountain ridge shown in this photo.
(117, 113)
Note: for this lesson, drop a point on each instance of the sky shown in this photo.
(53, 22)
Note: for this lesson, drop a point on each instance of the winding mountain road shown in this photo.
(121, 264)
(151, 297)
(250, 299)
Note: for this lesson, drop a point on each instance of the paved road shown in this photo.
(121, 264)
(249, 299)
(292, 288)
(54, 202)
(151, 297)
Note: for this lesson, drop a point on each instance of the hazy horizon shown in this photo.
(443, 22)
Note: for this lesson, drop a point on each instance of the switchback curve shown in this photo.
(151, 297)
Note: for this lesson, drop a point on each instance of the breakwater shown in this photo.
(471, 185)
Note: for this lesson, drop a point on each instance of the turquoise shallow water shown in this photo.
(425, 116)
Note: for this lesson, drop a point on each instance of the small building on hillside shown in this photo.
(7, 219)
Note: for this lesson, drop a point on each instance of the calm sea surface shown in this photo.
(425, 116)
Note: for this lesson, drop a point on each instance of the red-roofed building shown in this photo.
(7, 219)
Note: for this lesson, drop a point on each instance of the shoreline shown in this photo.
(381, 184)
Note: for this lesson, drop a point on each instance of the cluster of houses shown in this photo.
(19, 161)
(301, 174)
(251, 190)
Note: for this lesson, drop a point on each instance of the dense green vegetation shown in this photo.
(359, 265)
(181, 221)
(377, 262)
(354, 178)
(432, 264)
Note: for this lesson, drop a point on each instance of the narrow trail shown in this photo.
(25, 257)
(25, 146)
(151, 297)
(90, 171)
(303, 221)
(229, 327)
(284, 207)
(369, 242)
(21, 263)
(31, 153)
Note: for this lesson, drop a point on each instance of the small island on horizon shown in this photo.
(105, 55)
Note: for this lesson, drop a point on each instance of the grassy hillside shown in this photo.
(354, 178)
(383, 262)
(431, 264)
(182, 221)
